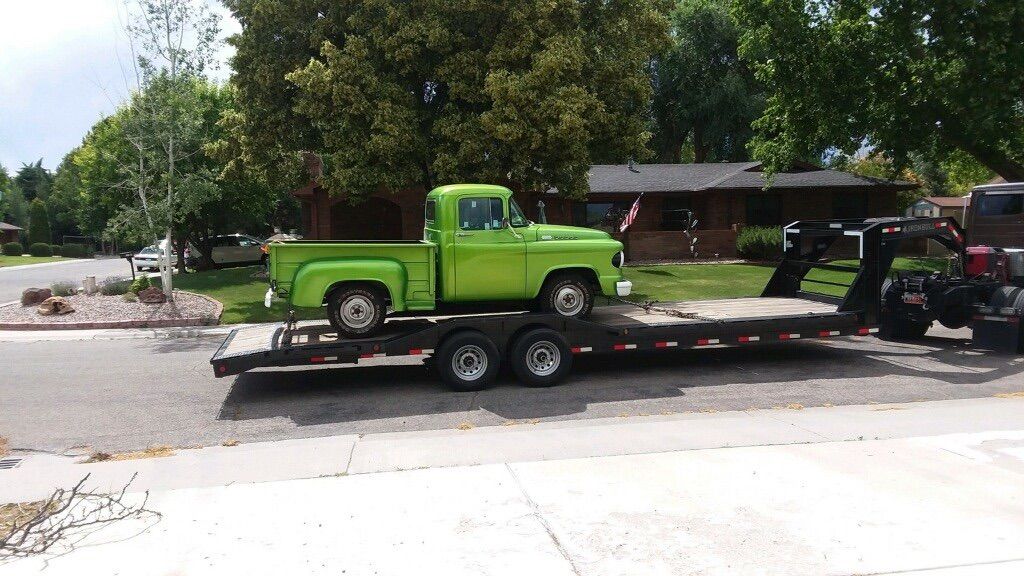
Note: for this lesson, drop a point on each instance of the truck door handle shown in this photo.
(463, 234)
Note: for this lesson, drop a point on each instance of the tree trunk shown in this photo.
(990, 156)
(700, 150)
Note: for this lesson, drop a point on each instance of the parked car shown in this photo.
(231, 250)
(477, 247)
(146, 259)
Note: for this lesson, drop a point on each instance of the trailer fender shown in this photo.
(314, 280)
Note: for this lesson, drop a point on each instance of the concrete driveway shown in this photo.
(127, 394)
(15, 279)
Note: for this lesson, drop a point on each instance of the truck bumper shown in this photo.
(623, 287)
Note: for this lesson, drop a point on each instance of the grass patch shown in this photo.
(241, 294)
(12, 515)
(151, 452)
(4, 447)
(11, 261)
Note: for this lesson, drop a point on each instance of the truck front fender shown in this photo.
(313, 280)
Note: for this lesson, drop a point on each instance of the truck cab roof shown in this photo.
(459, 190)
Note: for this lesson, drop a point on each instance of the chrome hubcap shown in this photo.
(569, 300)
(469, 362)
(543, 358)
(357, 311)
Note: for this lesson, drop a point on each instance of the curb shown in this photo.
(168, 323)
(57, 263)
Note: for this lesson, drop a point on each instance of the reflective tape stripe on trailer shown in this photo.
(666, 344)
(579, 349)
(707, 341)
(865, 331)
(891, 229)
(1010, 319)
(324, 359)
(748, 338)
(417, 351)
(789, 336)
(624, 347)
(827, 333)
(377, 355)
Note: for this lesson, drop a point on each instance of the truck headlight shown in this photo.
(618, 259)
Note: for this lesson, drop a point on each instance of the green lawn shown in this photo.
(8, 261)
(242, 295)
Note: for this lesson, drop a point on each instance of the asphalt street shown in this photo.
(15, 279)
(128, 394)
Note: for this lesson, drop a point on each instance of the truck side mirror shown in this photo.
(505, 223)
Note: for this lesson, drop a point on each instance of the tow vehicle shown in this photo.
(469, 350)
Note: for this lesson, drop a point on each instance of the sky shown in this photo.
(64, 64)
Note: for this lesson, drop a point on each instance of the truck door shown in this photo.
(997, 219)
(490, 261)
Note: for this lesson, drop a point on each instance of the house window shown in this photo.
(764, 210)
(849, 205)
(675, 213)
(600, 215)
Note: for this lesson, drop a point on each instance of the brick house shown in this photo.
(724, 197)
(9, 233)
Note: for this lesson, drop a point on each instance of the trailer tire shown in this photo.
(896, 328)
(356, 310)
(541, 358)
(468, 361)
(568, 295)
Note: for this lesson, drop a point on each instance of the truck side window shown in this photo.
(515, 215)
(480, 213)
(429, 211)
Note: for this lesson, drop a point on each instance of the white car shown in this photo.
(230, 249)
(146, 259)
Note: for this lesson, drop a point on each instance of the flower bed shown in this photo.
(98, 311)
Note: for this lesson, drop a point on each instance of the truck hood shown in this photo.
(556, 232)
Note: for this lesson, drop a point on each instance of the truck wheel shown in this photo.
(567, 295)
(468, 361)
(356, 311)
(541, 358)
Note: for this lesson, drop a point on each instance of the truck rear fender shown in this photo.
(588, 273)
(316, 279)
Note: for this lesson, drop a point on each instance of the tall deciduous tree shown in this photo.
(925, 77)
(433, 91)
(705, 97)
(13, 208)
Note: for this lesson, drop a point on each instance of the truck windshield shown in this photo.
(515, 215)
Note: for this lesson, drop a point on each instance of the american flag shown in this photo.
(628, 220)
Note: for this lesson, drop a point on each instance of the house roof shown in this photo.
(947, 201)
(618, 178)
(6, 226)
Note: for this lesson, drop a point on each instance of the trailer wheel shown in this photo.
(896, 328)
(567, 295)
(356, 311)
(468, 361)
(541, 358)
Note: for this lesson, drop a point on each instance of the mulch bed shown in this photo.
(99, 311)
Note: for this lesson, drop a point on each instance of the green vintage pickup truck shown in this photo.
(477, 247)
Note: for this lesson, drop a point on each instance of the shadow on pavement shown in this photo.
(842, 371)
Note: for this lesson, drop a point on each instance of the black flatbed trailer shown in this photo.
(540, 347)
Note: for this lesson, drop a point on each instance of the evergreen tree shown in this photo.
(39, 223)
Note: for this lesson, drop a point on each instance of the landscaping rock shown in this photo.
(152, 295)
(35, 296)
(55, 305)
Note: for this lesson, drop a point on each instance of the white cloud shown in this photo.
(63, 65)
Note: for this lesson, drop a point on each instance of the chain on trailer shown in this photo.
(651, 307)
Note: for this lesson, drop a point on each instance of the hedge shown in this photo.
(40, 249)
(56, 249)
(760, 243)
(76, 251)
(13, 249)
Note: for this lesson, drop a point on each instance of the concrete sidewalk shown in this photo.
(939, 505)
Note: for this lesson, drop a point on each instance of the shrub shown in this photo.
(115, 286)
(40, 249)
(130, 297)
(76, 251)
(64, 288)
(56, 249)
(13, 249)
(140, 283)
(760, 243)
(38, 223)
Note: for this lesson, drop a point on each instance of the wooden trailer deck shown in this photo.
(711, 311)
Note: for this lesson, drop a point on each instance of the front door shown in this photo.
(490, 261)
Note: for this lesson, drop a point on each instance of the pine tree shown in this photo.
(39, 223)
